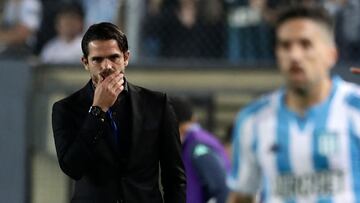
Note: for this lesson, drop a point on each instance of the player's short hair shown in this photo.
(315, 13)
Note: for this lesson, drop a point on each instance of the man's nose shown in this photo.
(106, 64)
(295, 52)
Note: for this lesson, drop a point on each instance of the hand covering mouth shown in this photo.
(106, 73)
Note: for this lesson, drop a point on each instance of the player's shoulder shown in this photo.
(351, 92)
(265, 102)
(200, 149)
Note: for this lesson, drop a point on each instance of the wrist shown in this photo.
(103, 108)
(97, 111)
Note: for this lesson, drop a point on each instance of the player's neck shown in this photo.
(300, 103)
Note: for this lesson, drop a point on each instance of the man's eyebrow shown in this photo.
(109, 56)
(96, 57)
(113, 55)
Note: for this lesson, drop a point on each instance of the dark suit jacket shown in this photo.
(85, 154)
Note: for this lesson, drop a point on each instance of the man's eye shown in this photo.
(96, 60)
(285, 45)
(114, 58)
(306, 44)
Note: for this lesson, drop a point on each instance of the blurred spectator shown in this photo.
(333, 6)
(348, 29)
(95, 11)
(156, 13)
(47, 31)
(183, 29)
(65, 47)
(205, 159)
(20, 21)
(101, 11)
(250, 35)
(213, 28)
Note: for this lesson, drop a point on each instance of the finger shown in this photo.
(114, 81)
(120, 82)
(110, 78)
(355, 70)
(119, 89)
(101, 76)
(99, 81)
(116, 73)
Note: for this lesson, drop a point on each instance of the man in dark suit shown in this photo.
(112, 136)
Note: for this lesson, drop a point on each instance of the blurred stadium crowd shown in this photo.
(233, 31)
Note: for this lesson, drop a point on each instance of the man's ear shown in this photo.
(333, 56)
(126, 57)
(85, 63)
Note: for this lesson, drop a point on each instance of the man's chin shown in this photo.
(95, 81)
(299, 88)
(297, 85)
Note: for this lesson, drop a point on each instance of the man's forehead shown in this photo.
(103, 43)
(103, 47)
(301, 28)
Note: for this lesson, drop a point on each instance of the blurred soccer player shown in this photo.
(300, 143)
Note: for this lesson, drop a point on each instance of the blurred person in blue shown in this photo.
(155, 14)
(65, 46)
(20, 22)
(206, 162)
(119, 142)
(348, 29)
(300, 143)
(250, 35)
(101, 11)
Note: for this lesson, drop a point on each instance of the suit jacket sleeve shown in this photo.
(75, 144)
(172, 168)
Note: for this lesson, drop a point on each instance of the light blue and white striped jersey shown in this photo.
(313, 158)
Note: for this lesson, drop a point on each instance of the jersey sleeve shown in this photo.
(353, 111)
(245, 176)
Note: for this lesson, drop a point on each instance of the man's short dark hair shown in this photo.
(183, 108)
(104, 31)
(315, 13)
